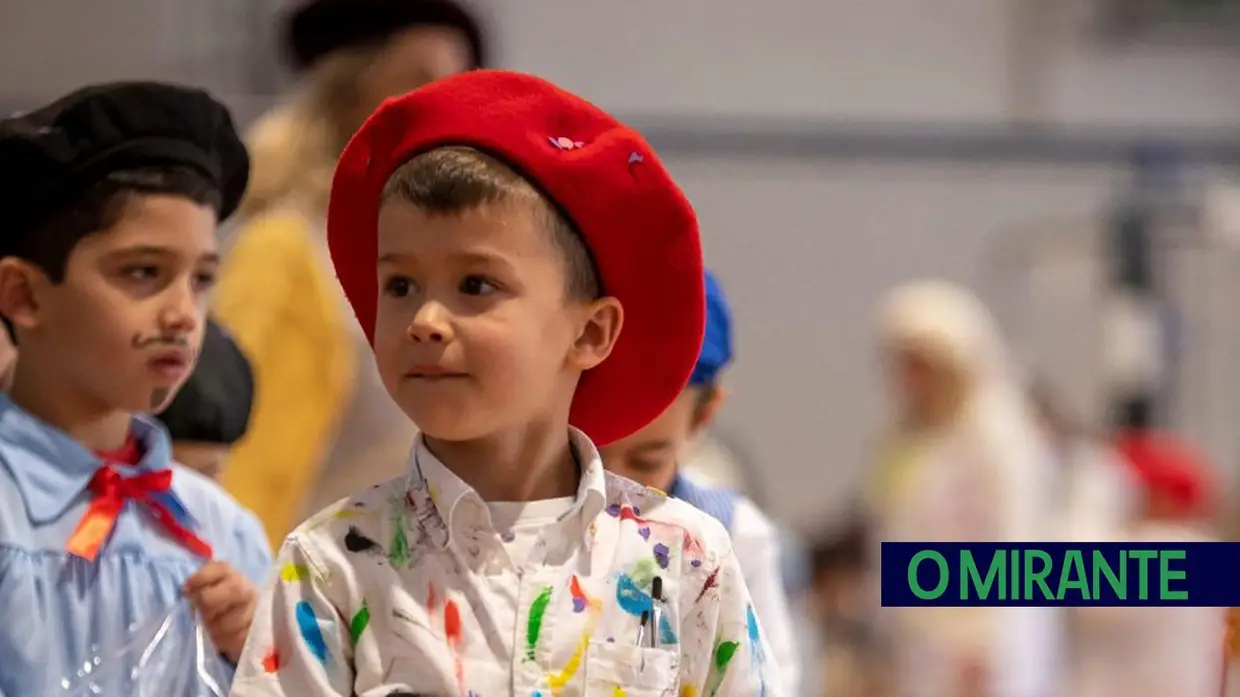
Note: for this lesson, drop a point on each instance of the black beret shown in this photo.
(320, 27)
(213, 406)
(51, 155)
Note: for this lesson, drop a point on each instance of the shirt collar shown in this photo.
(51, 469)
(435, 492)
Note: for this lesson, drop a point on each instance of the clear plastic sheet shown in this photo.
(172, 656)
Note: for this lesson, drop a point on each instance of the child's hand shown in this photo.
(226, 601)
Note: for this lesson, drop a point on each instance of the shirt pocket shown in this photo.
(637, 671)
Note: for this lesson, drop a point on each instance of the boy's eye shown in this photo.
(140, 273)
(204, 281)
(398, 287)
(477, 285)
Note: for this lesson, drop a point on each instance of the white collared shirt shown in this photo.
(409, 587)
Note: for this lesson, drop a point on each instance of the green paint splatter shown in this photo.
(359, 622)
(534, 628)
(644, 572)
(723, 656)
(399, 553)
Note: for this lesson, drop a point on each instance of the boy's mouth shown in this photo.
(431, 372)
(171, 364)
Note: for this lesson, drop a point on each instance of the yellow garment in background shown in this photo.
(897, 462)
(278, 298)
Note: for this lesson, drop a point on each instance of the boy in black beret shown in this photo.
(111, 197)
(212, 409)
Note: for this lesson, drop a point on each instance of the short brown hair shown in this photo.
(451, 180)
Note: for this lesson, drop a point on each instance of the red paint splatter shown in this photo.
(452, 621)
(271, 663)
(691, 546)
(430, 598)
(452, 628)
(712, 581)
(627, 513)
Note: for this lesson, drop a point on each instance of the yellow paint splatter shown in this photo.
(433, 492)
(688, 691)
(292, 573)
(617, 691)
(558, 680)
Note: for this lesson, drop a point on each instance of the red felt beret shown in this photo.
(1169, 468)
(637, 223)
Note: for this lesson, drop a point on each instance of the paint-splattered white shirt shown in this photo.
(408, 589)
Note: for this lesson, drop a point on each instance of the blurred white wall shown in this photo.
(803, 245)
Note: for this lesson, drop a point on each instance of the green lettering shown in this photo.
(1166, 575)
(1014, 594)
(1038, 576)
(1143, 576)
(1072, 576)
(1102, 567)
(970, 578)
(944, 576)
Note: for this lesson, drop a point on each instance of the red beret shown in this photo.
(637, 223)
(1170, 468)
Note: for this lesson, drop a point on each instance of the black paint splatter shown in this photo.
(355, 541)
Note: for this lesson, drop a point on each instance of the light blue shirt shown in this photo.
(57, 611)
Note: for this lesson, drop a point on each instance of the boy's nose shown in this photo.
(430, 325)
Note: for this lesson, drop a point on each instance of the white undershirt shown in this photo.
(519, 523)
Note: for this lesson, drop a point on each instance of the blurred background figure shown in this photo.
(211, 411)
(323, 424)
(1155, 651)
(851, 661)
(965, 460)
(1095, 491)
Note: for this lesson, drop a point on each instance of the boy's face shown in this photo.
(124, 326)
(650, 456)
(473, 334)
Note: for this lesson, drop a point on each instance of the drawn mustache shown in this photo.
(176, 340)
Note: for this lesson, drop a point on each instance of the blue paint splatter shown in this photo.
(755, 645)
(666, 636)
(614, 510)
(310, 631)
(630, 598)
(695, 563)
(645, 533)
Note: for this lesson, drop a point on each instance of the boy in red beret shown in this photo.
(494, 235)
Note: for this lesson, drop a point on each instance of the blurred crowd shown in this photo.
(287, 411)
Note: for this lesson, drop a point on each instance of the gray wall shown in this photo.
(804, 244)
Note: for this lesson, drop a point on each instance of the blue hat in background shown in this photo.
(717, 343)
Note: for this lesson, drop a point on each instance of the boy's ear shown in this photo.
(21, 290)
(602, 322)
(708, 407)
